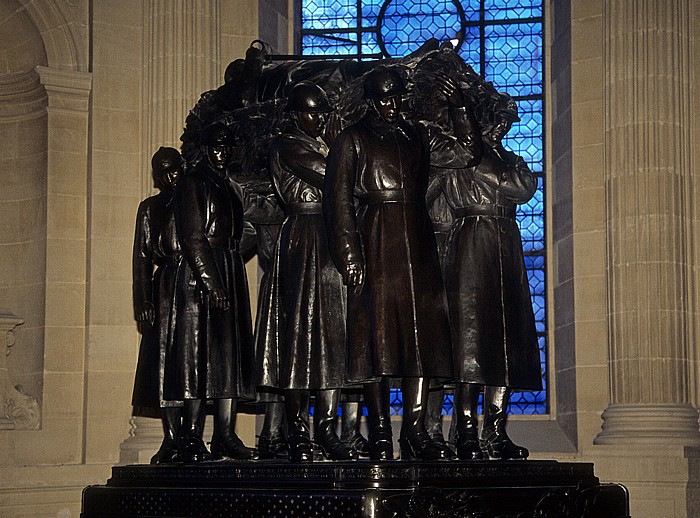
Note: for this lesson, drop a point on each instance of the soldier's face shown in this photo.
(388, 108)
(499, 131)
(311, 123)
(171, 178)
(219, 156)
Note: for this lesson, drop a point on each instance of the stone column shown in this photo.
(182, 54)
(648, 214)
(68, 94)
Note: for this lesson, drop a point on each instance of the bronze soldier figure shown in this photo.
(304, 332)
(493, 326)
(156, 261)
(213, 355)
(386, 253)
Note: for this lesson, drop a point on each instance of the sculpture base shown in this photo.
(487, 489)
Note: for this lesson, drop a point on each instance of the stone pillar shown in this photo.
(182, 54)
(68, 94)
(648, 214)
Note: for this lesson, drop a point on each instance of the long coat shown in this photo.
(493, 327)
(213, 353)
(301, 329)
(397, 324)
(155, 247)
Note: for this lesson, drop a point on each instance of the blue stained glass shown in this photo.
(470, 51)
(369, 43)
(514, 58)
(410, 23)
(322, 46)
(325, 14)
(471, 10)
(512, 9)
(370, 11)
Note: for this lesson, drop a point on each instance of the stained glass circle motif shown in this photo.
(404, 25)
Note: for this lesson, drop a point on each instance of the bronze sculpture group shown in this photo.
(382, 203)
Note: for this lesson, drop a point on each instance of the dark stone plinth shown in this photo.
(483, 489)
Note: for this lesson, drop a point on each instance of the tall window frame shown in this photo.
(503, 40)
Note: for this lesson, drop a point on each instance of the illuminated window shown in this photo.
(502, 41)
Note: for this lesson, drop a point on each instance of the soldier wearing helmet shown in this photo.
(387, 255)
(156, 261)
(301, 328)
(213, 355)
(494, 337)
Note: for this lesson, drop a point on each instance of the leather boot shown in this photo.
(190, 445)
(272, 442)
(325, 436)
(467, 423)
(433, 415)
(381, 446)
(494, 439)
(224, 441)
(296, 404)
(171, 417)
(350, 428)
(415, 442)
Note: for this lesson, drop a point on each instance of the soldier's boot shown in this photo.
(297, 408)
(381, 446)
(414, 441)
(171, 417)
(467, 421)
(190, 445)
(494, 440)
(224, 441)
(350, 428)
(325, 436)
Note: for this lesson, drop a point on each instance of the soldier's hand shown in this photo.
(219, 299)
(354, 276)
(450, 89)
(146, 314)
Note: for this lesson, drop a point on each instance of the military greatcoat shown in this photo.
(397, 324)
(155, 264)
(493, 328)
(213, 353)
(301, 329)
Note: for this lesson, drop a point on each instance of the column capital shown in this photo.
(66, 89)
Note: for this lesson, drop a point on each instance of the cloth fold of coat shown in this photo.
(155, 246)
(213, 353)
(494, 337)
(397, 324)
(301, 327)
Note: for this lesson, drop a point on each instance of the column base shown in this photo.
(650, 424)
(145, 437)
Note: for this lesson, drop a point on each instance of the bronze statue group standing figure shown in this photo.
(381, 203)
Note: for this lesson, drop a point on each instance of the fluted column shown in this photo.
(182, 54)
(648, 213)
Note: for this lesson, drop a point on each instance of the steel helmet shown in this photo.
(306, 96)
(165, 160)
(383, 82)
(217, 134)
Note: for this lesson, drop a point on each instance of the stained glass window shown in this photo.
(502, 41)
